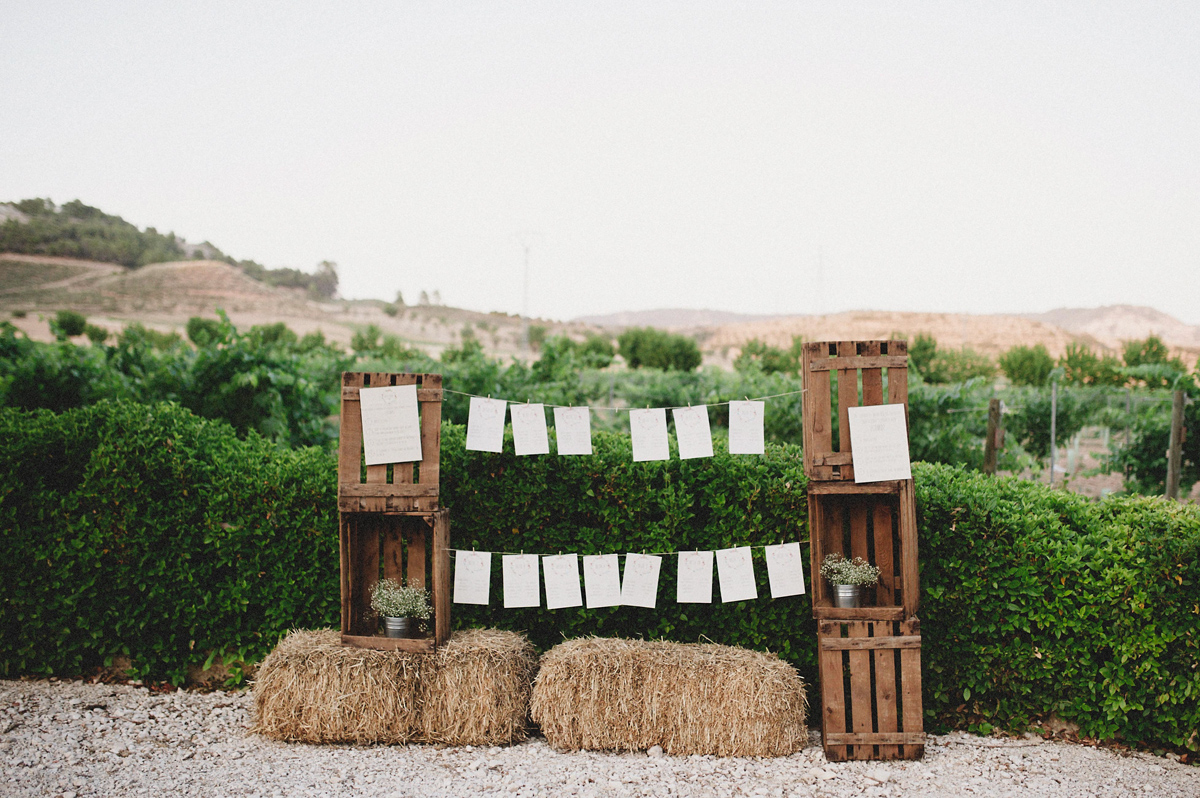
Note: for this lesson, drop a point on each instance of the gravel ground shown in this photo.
(76, 739)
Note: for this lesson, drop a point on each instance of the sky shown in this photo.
(781, 158)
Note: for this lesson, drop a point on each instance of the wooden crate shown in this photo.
(870, 656)
(390, 524)
(871, 689)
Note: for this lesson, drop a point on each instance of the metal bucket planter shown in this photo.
(848, 595)
(397, 627)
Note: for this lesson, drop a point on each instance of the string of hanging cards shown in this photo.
(605, 585)
(647, 427)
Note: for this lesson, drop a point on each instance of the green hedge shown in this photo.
(149, 532)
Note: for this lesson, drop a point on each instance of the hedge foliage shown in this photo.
(149, 532)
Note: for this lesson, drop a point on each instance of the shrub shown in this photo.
(1027, 365)
(68, 324)
(657, 349)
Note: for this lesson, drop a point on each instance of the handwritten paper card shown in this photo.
(485, 425)
(639, 588)
(736, 572)
(695, 577)
(529, 429)
(746, 427)
(390, 425)
(692, 432)
(522, 588)
(602, 580)
(649, 431)
(879, 441)
(561, 572)
(785, 570)
(573, 429)
(472, 577)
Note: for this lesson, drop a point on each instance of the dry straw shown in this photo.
(473, 691)
(612, 694)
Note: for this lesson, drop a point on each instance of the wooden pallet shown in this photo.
(870, 657)
(390, 524)
(871, 689)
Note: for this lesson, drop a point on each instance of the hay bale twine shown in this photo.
(473, 691)
(613, 694)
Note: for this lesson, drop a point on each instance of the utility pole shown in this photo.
(1175, 452)
(994, 433)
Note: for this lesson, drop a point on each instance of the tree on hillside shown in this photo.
(1027, 365)
(657, 349)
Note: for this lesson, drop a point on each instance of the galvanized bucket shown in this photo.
(847, 595)
(396, 627)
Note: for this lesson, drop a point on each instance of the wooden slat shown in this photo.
(855, 362)
(889, 486)
(381, 489)
(858, 530)
(350, 436)
(431, 436)
(393, 549)
(416, 554)
(816, 551)
(909, 570)
(376, 473)
(833, 703)
(872, 643)
(832, 459)
(860, 690)
(368, 570)
(822, 610)
(818, 439)
(900, 738)
(872, 376)
(423, 394)
(910, 683)
(881, 523)
(416, 645)
(402, 473)
(847, 381)
(344, 524)
(441, 575)
(832, 529)
(885, 685)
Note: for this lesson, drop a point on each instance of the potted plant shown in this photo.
(848, 578)
(398, 605)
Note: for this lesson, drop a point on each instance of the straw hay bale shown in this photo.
(473, 691)
(612, 694)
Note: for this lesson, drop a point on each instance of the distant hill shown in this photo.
(671, 318)
(1113, 324)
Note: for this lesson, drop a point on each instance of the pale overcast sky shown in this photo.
(752, 157)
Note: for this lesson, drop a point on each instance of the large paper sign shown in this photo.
(736, 572)
(639, 588)
(785, 570)
(692, 432)
(746, 427)
(573, 429)
(879, 441)
(695, 577)
(602, 580)
(390, 425)
(522, 588)
(529, 429)
(472, 577)
(485, 424)
(561, 572)
(649, 431)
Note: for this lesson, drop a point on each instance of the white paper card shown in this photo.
(785, 570)
(561, 572)
(695, 577)
(649, 431)
(639, 587)
(736, 572)
(472, 577)
(692, 432)
(522, 588)
(390, 425)
(529, 429)
(573, 429)
(746, 427)
(879, 441)
(602, 580)
(485, 425)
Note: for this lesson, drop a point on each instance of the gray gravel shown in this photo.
(75, 739)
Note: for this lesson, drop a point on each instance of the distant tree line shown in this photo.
(76, 230)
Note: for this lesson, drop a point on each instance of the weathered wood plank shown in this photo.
(423, 394)
(383, 489)
(881, 523)
(894, 738)
(393, 549)
(847, 382)
(888, 486)
(833, 706)
(860, 690)
(885, 685)
(872, 376)
(871, 643)
(823, 611)
(844, 362)
(909, 570)
(441, 575)
(416, 645)
(415, 556)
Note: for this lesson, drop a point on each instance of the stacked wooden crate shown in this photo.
(390, 524)
(870, 657)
